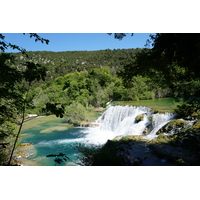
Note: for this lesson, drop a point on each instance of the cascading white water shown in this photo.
(159, 120)
(120, 116)
(120, 120)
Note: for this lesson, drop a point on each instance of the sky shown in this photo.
(76, 41)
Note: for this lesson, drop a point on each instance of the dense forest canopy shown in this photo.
(174, 59)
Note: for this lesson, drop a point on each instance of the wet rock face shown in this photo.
(146, 131)
(172, 126)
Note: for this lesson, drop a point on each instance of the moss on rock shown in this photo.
(139, 118)
(196, 125)
(172, 125)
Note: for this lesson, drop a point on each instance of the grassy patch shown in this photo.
(93, 115)
(161, 105)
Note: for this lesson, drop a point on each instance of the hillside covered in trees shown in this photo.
(90, 78)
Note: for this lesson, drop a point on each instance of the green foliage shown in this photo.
(188, 107)
(15, 84)
(75, 113)
(55, 108)
(188, 139)
(34, 72)
(172, 62)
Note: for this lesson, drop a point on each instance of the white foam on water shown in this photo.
(97, 136)
(60, 141)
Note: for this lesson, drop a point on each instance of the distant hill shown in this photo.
(61, 63)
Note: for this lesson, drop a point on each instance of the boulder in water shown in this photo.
(145, 131)
(139, 118)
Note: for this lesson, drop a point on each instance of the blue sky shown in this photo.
(76, 41)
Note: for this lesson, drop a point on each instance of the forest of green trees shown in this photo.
(88, 78)
(69, 83)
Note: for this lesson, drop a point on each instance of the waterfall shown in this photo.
(121, 120)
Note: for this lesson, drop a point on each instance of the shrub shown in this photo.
(187, 107)
(75, 113)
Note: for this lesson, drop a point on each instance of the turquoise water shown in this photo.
(54, 142)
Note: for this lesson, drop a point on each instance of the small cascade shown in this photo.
(159, 120)
(129, 127)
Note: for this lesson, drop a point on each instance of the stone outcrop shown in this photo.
(139, 118)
